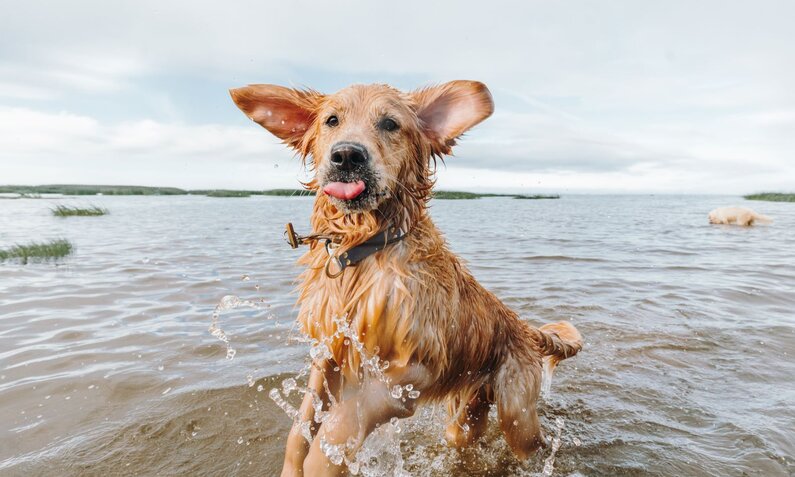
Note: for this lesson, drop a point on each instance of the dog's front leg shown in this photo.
(297, 445)
(353, 419)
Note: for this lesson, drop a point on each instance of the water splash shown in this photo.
(549, 462)
(228, 302)
(380, 453)
(547, 369)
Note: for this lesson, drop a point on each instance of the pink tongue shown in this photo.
(344, 190)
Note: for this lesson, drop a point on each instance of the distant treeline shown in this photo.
(453, 195)
(72, 189)
(78, 189)
(772, 197)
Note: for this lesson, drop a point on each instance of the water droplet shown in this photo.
(250, 380)
(161, 368)
(515, 422)
(289, 385)
(414, 394)
(260, 388)
(397, 391)
(239, 440)
(167, 391)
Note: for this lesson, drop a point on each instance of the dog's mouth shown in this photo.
(345, 190)
(353, 191)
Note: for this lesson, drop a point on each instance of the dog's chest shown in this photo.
(370, 303)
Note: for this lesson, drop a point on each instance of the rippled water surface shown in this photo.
(107, 366)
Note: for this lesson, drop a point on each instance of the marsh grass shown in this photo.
(52, 250)
(228, 193)
(67, 211)
(771, 197)
(536, 197)
(80, 189)
(455, 195)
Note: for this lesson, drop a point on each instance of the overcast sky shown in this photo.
(607, 96)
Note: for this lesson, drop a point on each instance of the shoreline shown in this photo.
(24, 191)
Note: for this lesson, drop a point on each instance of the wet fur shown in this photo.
(414, 304)
(737, 216)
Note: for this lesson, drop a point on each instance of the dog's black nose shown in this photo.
(347, 156)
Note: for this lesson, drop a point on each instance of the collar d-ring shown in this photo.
(332, 257)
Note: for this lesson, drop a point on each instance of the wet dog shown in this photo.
(409, 305)
(737, 216)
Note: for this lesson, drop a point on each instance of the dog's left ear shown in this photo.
(448, 110)
(285, 112)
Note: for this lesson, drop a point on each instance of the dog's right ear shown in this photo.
(285, 112)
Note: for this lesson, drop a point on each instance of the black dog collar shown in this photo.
(351, 257)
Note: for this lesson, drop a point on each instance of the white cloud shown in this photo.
(630, 94)
(38, 147)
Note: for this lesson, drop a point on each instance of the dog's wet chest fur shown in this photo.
(411, 303)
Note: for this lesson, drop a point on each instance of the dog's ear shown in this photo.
(448, 110)
(287, 113)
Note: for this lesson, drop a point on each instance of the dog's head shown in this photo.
(368, 144)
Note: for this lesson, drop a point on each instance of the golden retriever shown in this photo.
(737, 216)
(411, 305)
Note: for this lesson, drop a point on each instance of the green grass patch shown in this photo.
(52, 250)
(536, 197)
(455, 195)
(67, 211)
(771, 197)
(228, 193)
(79, 189)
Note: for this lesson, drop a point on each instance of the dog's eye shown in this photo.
(332, 121)
(388, 124)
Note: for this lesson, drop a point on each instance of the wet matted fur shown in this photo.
(413, 304)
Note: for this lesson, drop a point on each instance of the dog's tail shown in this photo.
(557, 341)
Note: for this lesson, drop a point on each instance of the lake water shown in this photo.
(107, 366)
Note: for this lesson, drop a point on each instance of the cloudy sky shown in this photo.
(608, 96)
